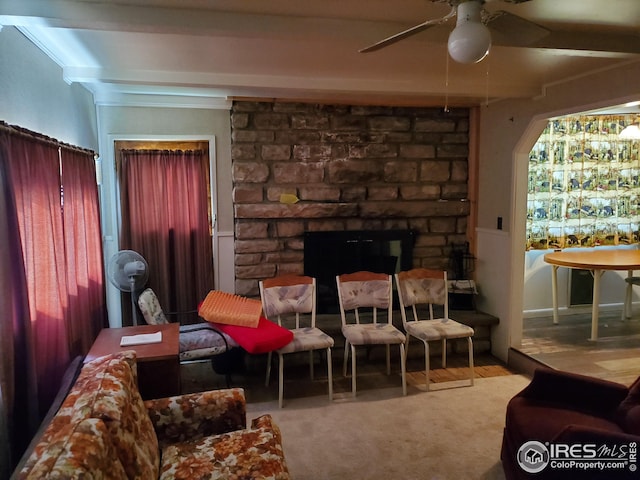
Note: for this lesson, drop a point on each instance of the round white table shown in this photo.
(597, 261)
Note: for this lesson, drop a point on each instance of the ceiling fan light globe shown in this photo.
(469, 42)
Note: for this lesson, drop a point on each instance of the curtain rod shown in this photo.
(23, 132)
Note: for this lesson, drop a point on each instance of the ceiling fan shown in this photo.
(470, 40)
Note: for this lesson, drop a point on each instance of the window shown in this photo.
(583, 187)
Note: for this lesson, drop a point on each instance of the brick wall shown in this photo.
(352, 168)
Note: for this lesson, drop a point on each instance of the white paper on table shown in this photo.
(141, 339)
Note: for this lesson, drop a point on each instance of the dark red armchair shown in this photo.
(572, 418)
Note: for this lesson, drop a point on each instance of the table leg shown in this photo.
(595, 311)
(554, 292)
(626, 308)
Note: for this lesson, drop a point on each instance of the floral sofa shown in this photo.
(104, 430)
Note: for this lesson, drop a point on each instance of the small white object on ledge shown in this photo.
(141, 339)
(463, 286)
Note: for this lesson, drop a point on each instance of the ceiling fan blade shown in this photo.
(508, 29)
(407, 33)
(603, 42)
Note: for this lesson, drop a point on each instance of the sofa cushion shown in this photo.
(78, 451)
(524, 420)
(68, 413)
(112, 395)
(196, 415)
(254, 453)
(629, 410)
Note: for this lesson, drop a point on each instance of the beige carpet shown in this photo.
(452, 433)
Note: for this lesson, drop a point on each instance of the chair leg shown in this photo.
(266, 381)
(353, 370)
(388, 359)
(406, 348)
(280, 379)
(330, 374)
(444, 353)
(311, 364)
(426, 364)
(346, 358)
(470, 345)
(403, 369)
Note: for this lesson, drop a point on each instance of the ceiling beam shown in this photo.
(461, 87)
(115, 17)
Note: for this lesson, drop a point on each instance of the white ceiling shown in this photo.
(201, 52)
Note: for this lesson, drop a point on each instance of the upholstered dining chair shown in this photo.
(425, 287)
(291, 301)
(198, 341)
(362, 296)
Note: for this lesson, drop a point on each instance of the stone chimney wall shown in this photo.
(351, 168)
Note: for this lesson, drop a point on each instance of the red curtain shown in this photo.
(35, 175)
(18, 405)
(52, 282)
(83, 245)
(164, 201)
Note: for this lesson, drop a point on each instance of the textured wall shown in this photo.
(352, 168)
(34, 95)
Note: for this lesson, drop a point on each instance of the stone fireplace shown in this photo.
(301, 168)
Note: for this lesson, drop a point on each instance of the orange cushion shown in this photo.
(230, 309)
(268, 336)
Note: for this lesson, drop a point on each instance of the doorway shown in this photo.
(166, 214)
(582, 192)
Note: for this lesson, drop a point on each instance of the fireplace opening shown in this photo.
(327, 254)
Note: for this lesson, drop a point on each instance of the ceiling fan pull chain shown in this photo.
(446, 85)
(486, 101)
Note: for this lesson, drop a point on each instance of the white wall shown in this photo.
(164, 123)
(33, 94)
(508, 131)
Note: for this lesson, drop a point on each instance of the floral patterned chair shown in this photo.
(425, 287)
(367, 291)
(291, 300)
(198, 341)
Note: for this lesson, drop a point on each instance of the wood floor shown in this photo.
(485, 365)
(614, 356)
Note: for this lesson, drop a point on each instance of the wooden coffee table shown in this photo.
(158, 363)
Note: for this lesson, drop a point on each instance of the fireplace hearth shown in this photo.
(331, 253)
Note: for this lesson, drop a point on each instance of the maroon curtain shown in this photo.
(164, 202)
(86, 313)
(51, 281)
(35, 176)
(18, 406)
